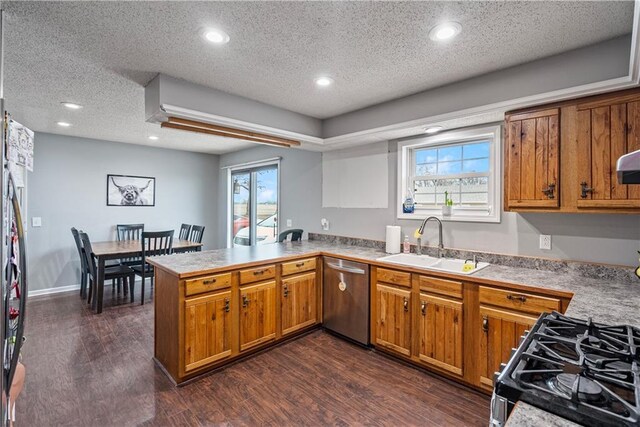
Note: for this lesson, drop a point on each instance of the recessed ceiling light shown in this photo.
(71, 105)
(153, 138)
(433, 129)
(216, 36)
(324, 81)
(64, 124)
(445, 31)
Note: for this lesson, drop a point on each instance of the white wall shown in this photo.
(68, 189)
(605, 238)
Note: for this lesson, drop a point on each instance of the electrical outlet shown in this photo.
(289, 223)
(36, 221)
(325, 224)
(545, 241)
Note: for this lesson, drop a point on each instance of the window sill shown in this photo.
(420, 216)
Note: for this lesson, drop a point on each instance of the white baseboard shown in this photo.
(49, 291)
(60, 289)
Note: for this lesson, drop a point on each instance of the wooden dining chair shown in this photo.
(129, 231)
(118, 271)
(197, 231)
(83, 262)
(295, 233)
(154, 243)
(185, 230)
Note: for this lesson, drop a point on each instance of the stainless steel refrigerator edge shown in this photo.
(346, 299)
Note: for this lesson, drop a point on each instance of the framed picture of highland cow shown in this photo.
(130, 190)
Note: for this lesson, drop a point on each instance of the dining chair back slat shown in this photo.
(130, 232)
(295, 233)
(83, 262)
(197, 231)
(185, 230)
(154, 243)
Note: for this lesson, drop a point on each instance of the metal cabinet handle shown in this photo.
(551, 188)
(208, 282)
(227, 305)
(485, 324)
(520, 298)
(286, 290)
(423, 308)
(245, 301)
(300, 264)
(585, 189)
(406, 304)
(258, 272)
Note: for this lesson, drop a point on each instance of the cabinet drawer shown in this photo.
(207, 284)
(251, 275)
(298, 266)
(440, 286)
(518, 301)
(394, 277)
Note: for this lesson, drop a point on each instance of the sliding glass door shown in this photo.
(254, 199)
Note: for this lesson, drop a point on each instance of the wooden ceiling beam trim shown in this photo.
(211, 129)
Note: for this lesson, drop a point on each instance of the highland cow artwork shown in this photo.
(128, 190)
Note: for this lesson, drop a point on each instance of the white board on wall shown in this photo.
(356, 177)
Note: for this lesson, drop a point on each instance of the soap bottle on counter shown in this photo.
(406, 246)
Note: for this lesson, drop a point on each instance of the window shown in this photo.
(463, 165)
(253, 213)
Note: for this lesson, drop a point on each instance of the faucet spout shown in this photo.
(424, 224)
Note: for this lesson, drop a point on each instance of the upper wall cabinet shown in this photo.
(532, 159)
(562, 157)
(606, 132)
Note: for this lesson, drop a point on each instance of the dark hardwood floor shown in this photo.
(97, 370)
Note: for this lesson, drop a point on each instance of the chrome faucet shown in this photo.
(421, 231)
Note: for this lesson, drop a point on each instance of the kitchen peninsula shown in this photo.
(217, 306)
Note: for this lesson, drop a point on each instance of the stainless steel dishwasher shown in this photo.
(346, 299)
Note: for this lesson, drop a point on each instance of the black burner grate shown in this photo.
(581, 370)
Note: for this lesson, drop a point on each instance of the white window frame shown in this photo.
(245, 166)
(493, 134)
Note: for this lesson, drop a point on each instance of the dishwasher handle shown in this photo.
(346, 269)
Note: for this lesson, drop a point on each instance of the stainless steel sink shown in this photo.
(449, 265)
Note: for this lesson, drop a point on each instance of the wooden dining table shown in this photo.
(118, 249)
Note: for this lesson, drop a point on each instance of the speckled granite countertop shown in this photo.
(608, 301)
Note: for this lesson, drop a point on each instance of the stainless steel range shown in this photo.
(583, 371)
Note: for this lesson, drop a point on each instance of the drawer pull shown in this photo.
(245, 301)
(423, 308)
(258, 272)
(209, 281)
(485, 324)
(406, 304)
(300, 264)
(227, 305)
(286, 290)
(520, 298)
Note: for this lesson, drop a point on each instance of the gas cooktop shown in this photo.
(583, 371)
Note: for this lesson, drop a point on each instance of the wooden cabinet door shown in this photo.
(257, 314)
(500, 331)
(532, 178)
(207, 334)
(393, 318)
(298, 302)
(440, 342)
(606, 132)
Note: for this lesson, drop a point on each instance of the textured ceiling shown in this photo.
(102, 54)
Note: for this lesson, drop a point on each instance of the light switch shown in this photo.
(289, 223)
(36, 221)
